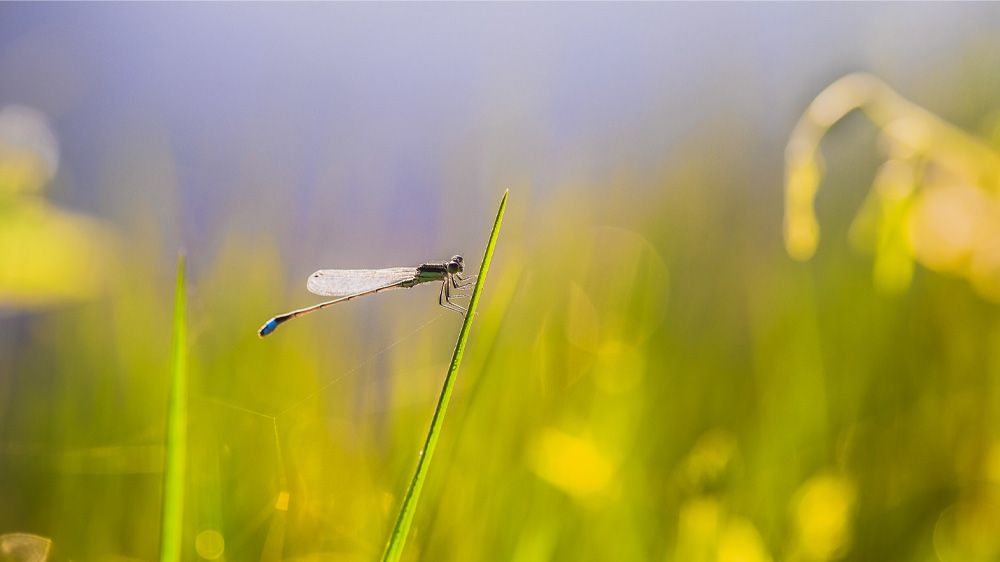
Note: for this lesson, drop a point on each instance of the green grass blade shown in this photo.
(176, 439)
(394, 548)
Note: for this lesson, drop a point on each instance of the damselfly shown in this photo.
(346, 284)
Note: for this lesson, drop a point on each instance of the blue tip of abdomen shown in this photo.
(268, 328)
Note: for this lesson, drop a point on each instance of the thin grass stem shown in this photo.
(394, 547)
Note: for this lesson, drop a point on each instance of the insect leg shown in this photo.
(445, 301)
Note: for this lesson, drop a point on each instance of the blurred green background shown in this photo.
(650, 377)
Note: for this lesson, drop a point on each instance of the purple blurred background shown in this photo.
(359, 122)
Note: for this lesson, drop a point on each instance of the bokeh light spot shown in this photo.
(967, 530)
(210, 544)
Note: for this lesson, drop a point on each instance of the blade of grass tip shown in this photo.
(394, 547)
(176, 438)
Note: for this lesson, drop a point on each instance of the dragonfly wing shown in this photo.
(347, 282)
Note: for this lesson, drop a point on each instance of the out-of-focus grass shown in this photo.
(175, 458)
(653, 379)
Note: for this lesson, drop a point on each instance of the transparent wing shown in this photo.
(346, 282)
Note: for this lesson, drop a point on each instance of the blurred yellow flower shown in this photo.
(706, 531)
(698, 524)
(47, 255)
(822, 511)
(573, 464)
(740, 542)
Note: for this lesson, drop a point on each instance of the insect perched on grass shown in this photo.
(346, 284)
